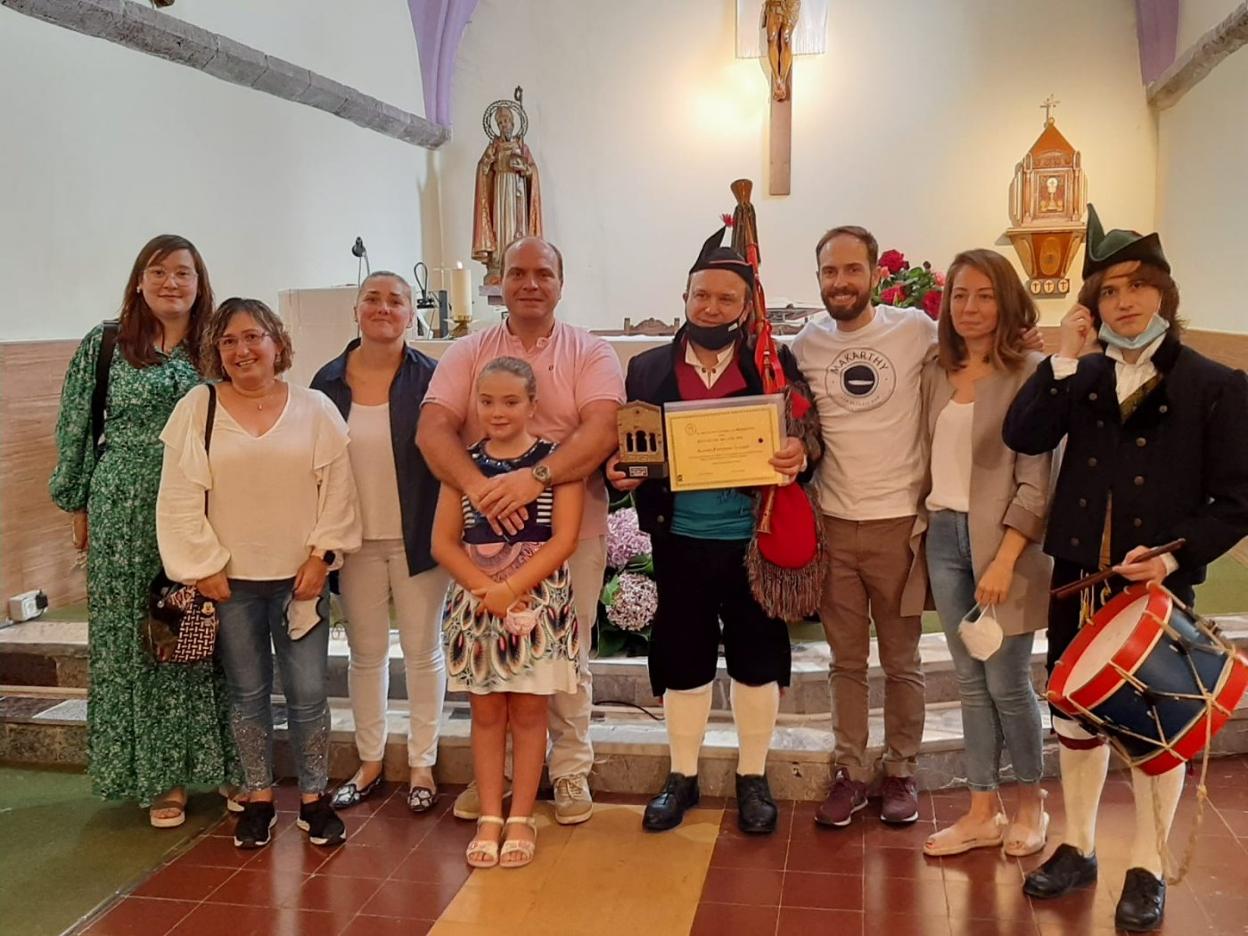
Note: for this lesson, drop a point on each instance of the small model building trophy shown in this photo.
(642, 451)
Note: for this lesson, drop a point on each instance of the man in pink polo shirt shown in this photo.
(580, 386)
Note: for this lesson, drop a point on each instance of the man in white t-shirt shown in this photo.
(863, 363)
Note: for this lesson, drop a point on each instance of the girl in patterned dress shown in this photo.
(509, 627)
(152, 729)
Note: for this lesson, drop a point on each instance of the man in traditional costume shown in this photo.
(701, 543)
(1156, 451)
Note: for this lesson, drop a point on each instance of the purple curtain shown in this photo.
(439, 26)
(1157, 27)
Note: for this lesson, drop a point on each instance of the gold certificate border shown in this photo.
(762, 479)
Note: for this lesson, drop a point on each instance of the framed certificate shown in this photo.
(724, 443)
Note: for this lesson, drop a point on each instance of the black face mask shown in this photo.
(713, 337)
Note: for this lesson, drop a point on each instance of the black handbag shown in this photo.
(181, 624)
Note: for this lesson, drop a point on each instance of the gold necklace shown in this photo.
(259, 401)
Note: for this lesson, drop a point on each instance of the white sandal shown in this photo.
(485, 847)
(523, 848)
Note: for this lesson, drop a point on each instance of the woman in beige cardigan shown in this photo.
(976, 543)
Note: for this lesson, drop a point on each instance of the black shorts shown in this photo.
(701, 583)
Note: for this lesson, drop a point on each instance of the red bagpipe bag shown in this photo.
(786, 556)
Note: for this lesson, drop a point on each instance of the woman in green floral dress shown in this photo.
(151, 729)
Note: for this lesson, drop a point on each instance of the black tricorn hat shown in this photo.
(715, 256)
(1102, 250)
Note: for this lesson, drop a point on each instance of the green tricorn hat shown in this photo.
(1104, 250)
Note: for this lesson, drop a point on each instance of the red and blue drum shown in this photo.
(1155, 678)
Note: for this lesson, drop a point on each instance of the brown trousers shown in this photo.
(868, 564)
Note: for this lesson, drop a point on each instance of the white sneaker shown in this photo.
(573, 803)
(468, 803)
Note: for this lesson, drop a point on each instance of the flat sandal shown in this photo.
(480, 846)
(521, 847)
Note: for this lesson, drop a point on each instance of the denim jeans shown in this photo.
(253, 629)
(999, 705)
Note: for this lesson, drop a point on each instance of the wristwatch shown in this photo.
(542, 474)
(327, 557)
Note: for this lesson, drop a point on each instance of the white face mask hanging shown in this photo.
(980, 632)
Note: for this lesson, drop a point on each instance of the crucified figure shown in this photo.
(779, 19)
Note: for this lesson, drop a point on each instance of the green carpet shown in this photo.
(63, 852)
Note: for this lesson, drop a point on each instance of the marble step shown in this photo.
(47, 726)
(49, 653)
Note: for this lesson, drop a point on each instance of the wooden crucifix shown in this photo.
(779, 19)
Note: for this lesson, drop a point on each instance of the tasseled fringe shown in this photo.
(787, 594)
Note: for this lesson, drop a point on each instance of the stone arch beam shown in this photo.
(144, 29)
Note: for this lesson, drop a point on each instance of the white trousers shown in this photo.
(570, 750)
(369, 579)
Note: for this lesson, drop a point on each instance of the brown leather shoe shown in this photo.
(847, 797)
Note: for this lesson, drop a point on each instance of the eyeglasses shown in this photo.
(182, 276)
(247, 339)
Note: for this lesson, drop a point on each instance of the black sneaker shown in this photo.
(322, 824)
(254, 825)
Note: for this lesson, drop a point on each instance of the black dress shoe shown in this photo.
(756, 810)
(667, 809)
(1066, 869)
(349, 794)
(1142, 904)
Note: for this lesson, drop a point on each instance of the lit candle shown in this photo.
(461, 294)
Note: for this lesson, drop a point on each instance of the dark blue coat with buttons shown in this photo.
(1177, 468)
(418, 488)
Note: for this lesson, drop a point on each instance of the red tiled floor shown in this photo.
(141, 916)
(802, 920)
(399, 871)
(209, 919)
(363, 861)
(179, 881)
(743, 886)
(717, 919)
(267, 887)
(338, 894)
(411, 901)
(822, 891)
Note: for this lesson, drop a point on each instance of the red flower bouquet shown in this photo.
(908, 287)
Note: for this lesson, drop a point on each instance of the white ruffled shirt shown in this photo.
(273, 499)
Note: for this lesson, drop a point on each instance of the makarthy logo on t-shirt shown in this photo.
(860, 379)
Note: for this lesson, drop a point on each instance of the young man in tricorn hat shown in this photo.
(1156, 451)
(701, 543)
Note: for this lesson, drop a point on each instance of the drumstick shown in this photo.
(1075, 587)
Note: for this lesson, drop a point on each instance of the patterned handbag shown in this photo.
(181, 624)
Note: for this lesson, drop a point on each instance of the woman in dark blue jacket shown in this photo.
(378, 383)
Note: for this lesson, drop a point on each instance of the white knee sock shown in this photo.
(754, 709)
(1144, 851)
(1083, 779)
(686, 711)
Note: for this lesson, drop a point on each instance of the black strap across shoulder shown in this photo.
(99, 394)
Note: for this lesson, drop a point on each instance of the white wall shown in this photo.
(103, 147)
(1202, 191)
(1196, 17)
(910, 124)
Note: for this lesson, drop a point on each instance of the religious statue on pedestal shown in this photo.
(507, 203)
(779, 19)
